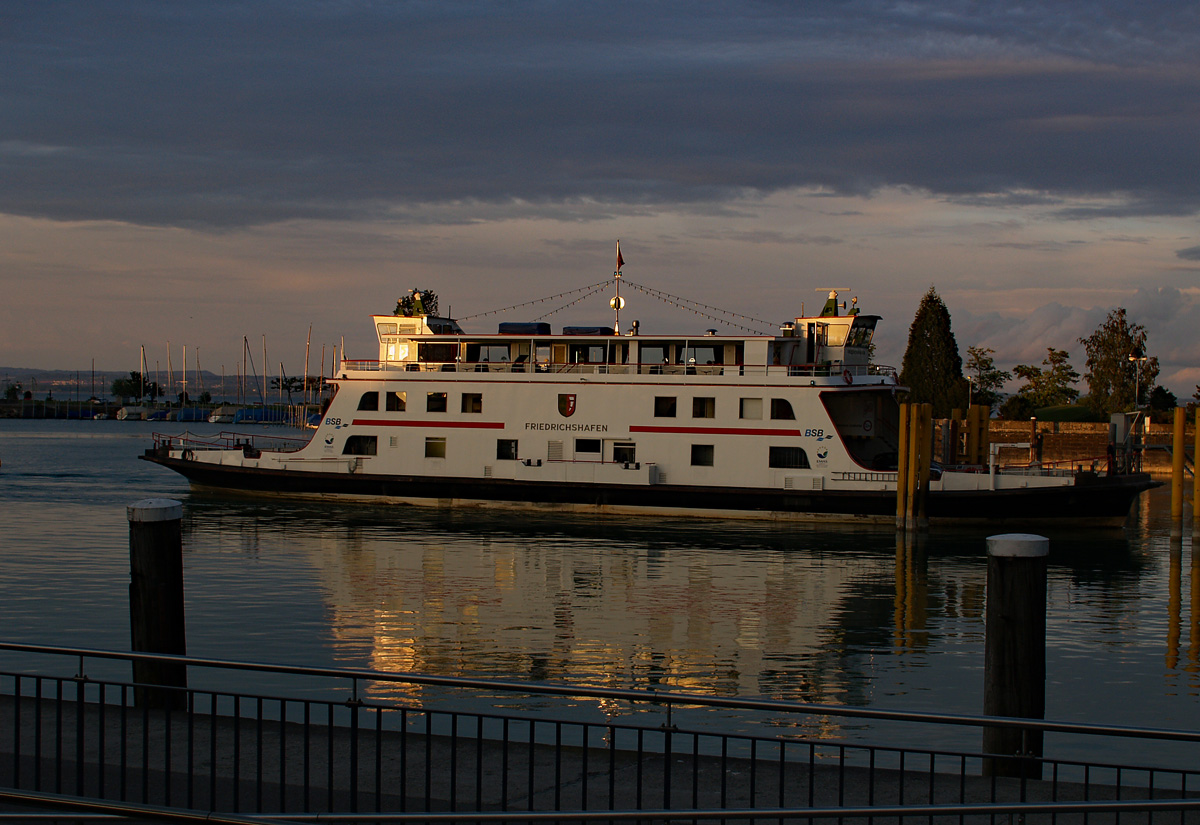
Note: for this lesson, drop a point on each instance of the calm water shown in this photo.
(820, 615)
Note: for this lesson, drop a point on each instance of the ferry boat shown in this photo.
(796, 425)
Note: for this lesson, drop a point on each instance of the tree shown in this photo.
(1050, 387)
(988, 379)
(418, 302)
(1017, 407)
(1119, 373)
(1163, 403)
(932, 368)
(290, 385)
(135, 386)
(130, 387)
(12, 392)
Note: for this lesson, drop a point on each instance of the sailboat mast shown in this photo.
(307, 346)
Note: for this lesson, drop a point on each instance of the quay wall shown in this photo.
(1079, 443)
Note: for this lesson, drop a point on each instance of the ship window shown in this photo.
(487, 353)
(587, 445)
(751, 408)
(437, 353)
(506, 449)
(781, 410)
(664, 407)
(387, 329)
(702, 455)
(395, 401)
(624, 453)
(788, 458)
(704, 408)
(369, 401)
(586, 354)
(435, 402)
(360, 445)
(653, 355)
(472, 402)
(435, 448)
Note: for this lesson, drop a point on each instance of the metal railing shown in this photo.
(229, 440)
(345, 742)
(833, 370)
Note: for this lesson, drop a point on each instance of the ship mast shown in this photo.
(617, 301)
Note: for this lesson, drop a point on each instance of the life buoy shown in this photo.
(847, 377)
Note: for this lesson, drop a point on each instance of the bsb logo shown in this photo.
(566, 404)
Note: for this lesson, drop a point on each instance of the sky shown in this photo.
(191, 174)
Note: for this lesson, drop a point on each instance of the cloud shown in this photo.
(1192, 253)
(227, 115)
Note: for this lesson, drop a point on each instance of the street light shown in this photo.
(1137, 358)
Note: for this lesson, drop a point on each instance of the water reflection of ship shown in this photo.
(610, 610)
(827, 616)
(510, 609)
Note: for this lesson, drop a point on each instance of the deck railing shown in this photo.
(853, 371)
(229, 440)
(311, 740)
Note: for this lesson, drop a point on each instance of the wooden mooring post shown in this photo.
(902, 470)
(1177, 456)
(156, 614)
(1014, 660)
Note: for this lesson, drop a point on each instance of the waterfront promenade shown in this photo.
(217, 764)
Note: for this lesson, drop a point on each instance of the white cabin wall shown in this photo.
(513, 402)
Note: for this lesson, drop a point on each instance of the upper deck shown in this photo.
(825, 346)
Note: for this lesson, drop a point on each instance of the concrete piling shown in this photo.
(156, 612)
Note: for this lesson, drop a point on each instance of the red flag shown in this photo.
(620, 260)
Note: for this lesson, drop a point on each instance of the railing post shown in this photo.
(156, 615)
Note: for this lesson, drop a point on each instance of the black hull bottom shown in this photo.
(1098, 502)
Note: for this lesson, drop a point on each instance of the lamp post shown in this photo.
(1137, 358)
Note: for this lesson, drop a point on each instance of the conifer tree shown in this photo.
(932, 368)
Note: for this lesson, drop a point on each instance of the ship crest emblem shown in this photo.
(566, 404)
